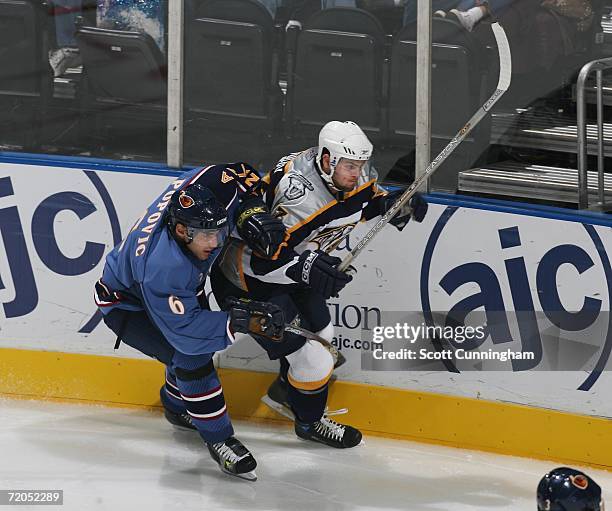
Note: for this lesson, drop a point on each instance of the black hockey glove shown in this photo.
(416, 208)
(318, 271)
(257, 318)
(262, 232)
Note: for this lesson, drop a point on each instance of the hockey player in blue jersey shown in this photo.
(152, 295)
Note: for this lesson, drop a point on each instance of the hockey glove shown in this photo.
(262, 232)
(416, 208)
(257, 318)
(318, 271)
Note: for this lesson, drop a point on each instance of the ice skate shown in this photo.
(180, 420)
(329, 432)
(276, 399)
(234, 458)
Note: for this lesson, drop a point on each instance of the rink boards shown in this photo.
(59, 217)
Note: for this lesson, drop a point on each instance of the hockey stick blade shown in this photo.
(338, 357)
(505, 75)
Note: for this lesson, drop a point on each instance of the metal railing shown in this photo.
(583, 193)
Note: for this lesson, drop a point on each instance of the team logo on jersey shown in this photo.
(580, 481)
(298, 187)
(329, 239)
(185, 200)
(226, 178)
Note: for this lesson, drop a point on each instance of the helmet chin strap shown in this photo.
(329, 181)
(189, 236)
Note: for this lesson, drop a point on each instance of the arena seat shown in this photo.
(124, 83)
(25, 75)
(231, 69)
(338, 72)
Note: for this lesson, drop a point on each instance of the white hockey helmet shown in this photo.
(342, 139)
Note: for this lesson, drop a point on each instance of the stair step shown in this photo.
(513, 179)
(546, 132)
(606, 96)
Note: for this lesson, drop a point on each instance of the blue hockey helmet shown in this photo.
(197, 208)
(566, 489)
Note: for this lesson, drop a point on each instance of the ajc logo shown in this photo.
(490, 298)
(45, 243)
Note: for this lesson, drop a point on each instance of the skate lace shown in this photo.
(330, 428)
(339, 411)
(226, 452)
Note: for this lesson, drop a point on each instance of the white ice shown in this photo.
(124, 459)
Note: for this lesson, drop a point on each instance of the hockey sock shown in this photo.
(284, 368)
(308, 406)
(170, 394)
(202, 394)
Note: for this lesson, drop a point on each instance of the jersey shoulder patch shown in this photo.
(296, 186)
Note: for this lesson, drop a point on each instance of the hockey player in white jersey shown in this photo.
(320, 194)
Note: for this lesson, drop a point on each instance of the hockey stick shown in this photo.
(505, 74)
(338, 357)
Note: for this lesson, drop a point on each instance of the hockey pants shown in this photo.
(308, 405)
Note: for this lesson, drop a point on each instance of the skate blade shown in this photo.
(183, 428)
(179, 425)
(247, 476)
(277, 407)
(321, 442)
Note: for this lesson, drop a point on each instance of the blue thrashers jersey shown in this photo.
(150, 271)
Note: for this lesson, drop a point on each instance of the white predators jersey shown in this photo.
(315, 218)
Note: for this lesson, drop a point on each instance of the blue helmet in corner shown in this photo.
(566, 489)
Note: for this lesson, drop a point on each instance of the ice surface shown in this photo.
(124, 459)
